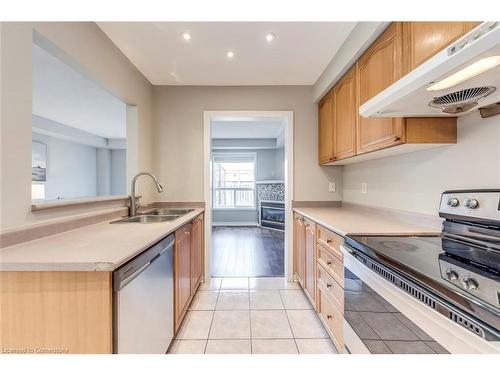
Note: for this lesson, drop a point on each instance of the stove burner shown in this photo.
(399, 246)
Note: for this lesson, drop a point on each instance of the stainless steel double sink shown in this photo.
(158, 215)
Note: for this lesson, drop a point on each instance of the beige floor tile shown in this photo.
(234, 283)
(295, 299)
(265, 300)
(213, 284)
(230, 325)
(264, 282)
(270, 324)
(315, 346)
(283, 283)
(204, 300)
(196, 325)
(233, 300)
(306, 324)
(188, 347)
(228, 347)
(274, 346)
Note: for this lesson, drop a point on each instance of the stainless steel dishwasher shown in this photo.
(143, 301)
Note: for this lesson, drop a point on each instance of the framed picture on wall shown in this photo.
(38, 161)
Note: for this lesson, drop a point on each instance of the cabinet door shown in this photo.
(310, 259)
(428, 38)
(196, 253)
(325, 129)
(380, 66)
(182, 272)
(345, 115)
(298, 245)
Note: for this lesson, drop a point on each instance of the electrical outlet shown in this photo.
(364, 188)
(331, 186)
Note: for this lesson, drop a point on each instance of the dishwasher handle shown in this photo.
(130, 270)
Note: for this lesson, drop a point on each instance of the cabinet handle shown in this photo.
(328, 241)
(329, 263)
(187, 233)
(193, 222)
(397, 139)
(328, 286)
(328, 316)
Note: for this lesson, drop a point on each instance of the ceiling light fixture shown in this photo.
(230, 54)
(270, 37)
(468, 72)
(186, 35)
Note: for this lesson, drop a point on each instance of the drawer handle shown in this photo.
(329, 263)
(328, 241)
(328, 286)
(328, 316)
(187, 233)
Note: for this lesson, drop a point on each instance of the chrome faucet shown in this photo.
(133, 204)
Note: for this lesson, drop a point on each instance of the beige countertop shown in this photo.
(97, 247)
(350, 219)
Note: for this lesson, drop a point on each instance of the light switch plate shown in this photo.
(331, 187)
(364, 188)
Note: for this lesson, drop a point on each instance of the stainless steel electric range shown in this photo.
(457, 273)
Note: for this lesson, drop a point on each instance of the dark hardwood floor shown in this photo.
(247, 251)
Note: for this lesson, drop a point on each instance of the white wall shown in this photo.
(86, 44)
(414, 182)
(179, 136)
(71, 168)
(118, 172)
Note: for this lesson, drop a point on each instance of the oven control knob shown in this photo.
(451, 275)
(472, 203)
(453, 202)
(470, 284)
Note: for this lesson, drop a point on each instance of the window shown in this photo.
(233, 181)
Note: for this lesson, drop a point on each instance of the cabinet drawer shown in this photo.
(330, 241)
(331, 287)
(331, 264)
(332, 318)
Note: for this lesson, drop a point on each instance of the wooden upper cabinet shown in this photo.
(325, 129)
(380, 66)
(344, 117)
(196, 253)
(425, 39)
(182, 274)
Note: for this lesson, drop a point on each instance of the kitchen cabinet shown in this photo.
(310, 259)
(196, 253)
(305, 255)
(425, 39)
(344, 116)
(299, 249)
(325, 129)
(188, 266)
(379, 67)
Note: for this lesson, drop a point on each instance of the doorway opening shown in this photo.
(248, 193)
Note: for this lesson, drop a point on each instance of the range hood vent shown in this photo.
(463, 100)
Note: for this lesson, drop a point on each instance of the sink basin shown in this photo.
(146, 219)
(169, 211)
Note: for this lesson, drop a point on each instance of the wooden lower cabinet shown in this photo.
(188, 266)
(299, 249)
(56, 312)
(318, 249)
(310, 259)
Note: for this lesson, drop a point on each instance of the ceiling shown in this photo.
(297, 56)
(65, 96)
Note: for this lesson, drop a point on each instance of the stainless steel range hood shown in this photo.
(410, 96)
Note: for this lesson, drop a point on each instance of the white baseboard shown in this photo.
(235, 224)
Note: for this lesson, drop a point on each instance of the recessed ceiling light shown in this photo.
(186, 35)
(270, 37)
(230, 54)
